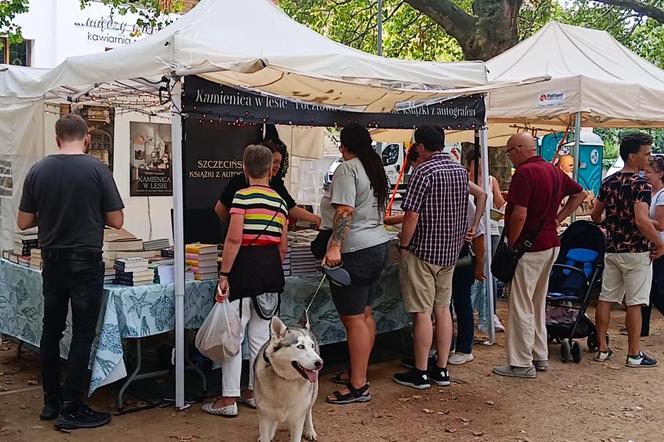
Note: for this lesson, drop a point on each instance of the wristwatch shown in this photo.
(402, 247)
(225, 274)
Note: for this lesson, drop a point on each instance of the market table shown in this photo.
(138, 312)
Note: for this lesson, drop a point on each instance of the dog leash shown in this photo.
(313, 298)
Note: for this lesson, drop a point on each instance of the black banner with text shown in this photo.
(209, 102)
(212, 156)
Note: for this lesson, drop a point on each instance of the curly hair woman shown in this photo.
(278, 172)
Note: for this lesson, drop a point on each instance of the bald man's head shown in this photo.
(520, 147)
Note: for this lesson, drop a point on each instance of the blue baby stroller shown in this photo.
(575, 274)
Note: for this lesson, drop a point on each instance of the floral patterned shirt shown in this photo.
(619, 192)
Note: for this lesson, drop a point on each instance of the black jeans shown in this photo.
(462, 281)
(656, 296)
(76, 277)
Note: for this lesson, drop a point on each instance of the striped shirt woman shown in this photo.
(264, 213)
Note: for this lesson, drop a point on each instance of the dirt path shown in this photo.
(572, 402)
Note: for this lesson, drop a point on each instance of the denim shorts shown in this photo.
(364, 267)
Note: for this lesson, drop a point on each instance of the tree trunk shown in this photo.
(489, 31)
(496, 30)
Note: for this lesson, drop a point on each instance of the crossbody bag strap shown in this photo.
(276, 212)
(530, 241)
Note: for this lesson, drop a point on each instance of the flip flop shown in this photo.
(338, 275)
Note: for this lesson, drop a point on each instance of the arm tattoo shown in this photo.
(341, 227)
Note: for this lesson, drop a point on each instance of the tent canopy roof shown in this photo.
(591, 73)
(255, 45)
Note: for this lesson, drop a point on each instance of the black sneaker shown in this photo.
(414, 379)
(72, 417)
(440, 376)
(640, 361)
(409, 363)
(51, 409)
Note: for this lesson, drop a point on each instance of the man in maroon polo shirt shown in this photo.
(533, 214)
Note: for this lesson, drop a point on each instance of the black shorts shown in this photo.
(365, 267)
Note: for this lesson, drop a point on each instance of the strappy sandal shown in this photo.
(341, 378)
(354, 395)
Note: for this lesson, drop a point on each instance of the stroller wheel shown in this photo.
(565, 351)
(576, 352)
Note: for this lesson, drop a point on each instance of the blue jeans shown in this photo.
(462, 282)
(479, 292)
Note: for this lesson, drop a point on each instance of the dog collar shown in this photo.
(265, 358)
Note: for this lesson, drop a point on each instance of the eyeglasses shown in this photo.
(509, 151)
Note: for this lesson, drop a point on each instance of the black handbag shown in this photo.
(265, 290)
(505, 260)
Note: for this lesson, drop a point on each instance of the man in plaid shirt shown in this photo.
(435, 224)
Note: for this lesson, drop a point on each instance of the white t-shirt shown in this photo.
(471, 217)
(657, 200)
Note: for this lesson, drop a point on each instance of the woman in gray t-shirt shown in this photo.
(353, 209)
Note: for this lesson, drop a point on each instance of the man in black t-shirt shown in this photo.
(70, 196)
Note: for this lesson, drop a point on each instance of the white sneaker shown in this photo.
(497, 324)
(460, 358)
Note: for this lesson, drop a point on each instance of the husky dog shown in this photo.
(286, 381)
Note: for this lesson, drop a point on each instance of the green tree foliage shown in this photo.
(9, 9)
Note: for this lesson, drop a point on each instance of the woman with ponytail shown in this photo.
(353, 210)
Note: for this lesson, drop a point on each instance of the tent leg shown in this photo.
(577, 142)
(484, 146)
(178, 240)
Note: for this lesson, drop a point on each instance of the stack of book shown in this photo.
(16, 259)
(299, 259)
(133, 271)
(165, 272)
(25, 241)
(202, 258)
(36, 259)
(168, 252)
(156, 244)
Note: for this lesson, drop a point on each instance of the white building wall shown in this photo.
(60, 29)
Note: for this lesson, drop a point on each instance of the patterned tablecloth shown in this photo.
(137, 312)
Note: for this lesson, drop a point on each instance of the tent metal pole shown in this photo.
(484, 145)
(379, 24)
(178, 240)
(575, 154)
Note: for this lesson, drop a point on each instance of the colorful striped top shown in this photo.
(258, 205)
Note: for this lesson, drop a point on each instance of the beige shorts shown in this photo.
(424, 286)
(628, 277)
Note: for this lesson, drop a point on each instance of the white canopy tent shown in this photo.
(250, 44)
(591, 74)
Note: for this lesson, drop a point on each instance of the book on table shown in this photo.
(139, 274)
(123, 245)
(119, 254)
(156, 244)
(131, 264)
(201, 249)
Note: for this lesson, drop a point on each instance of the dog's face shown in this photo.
(293, 352)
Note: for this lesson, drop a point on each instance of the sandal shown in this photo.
(354, 395)
(341, 378)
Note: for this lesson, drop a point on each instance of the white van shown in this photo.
(393, 156)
